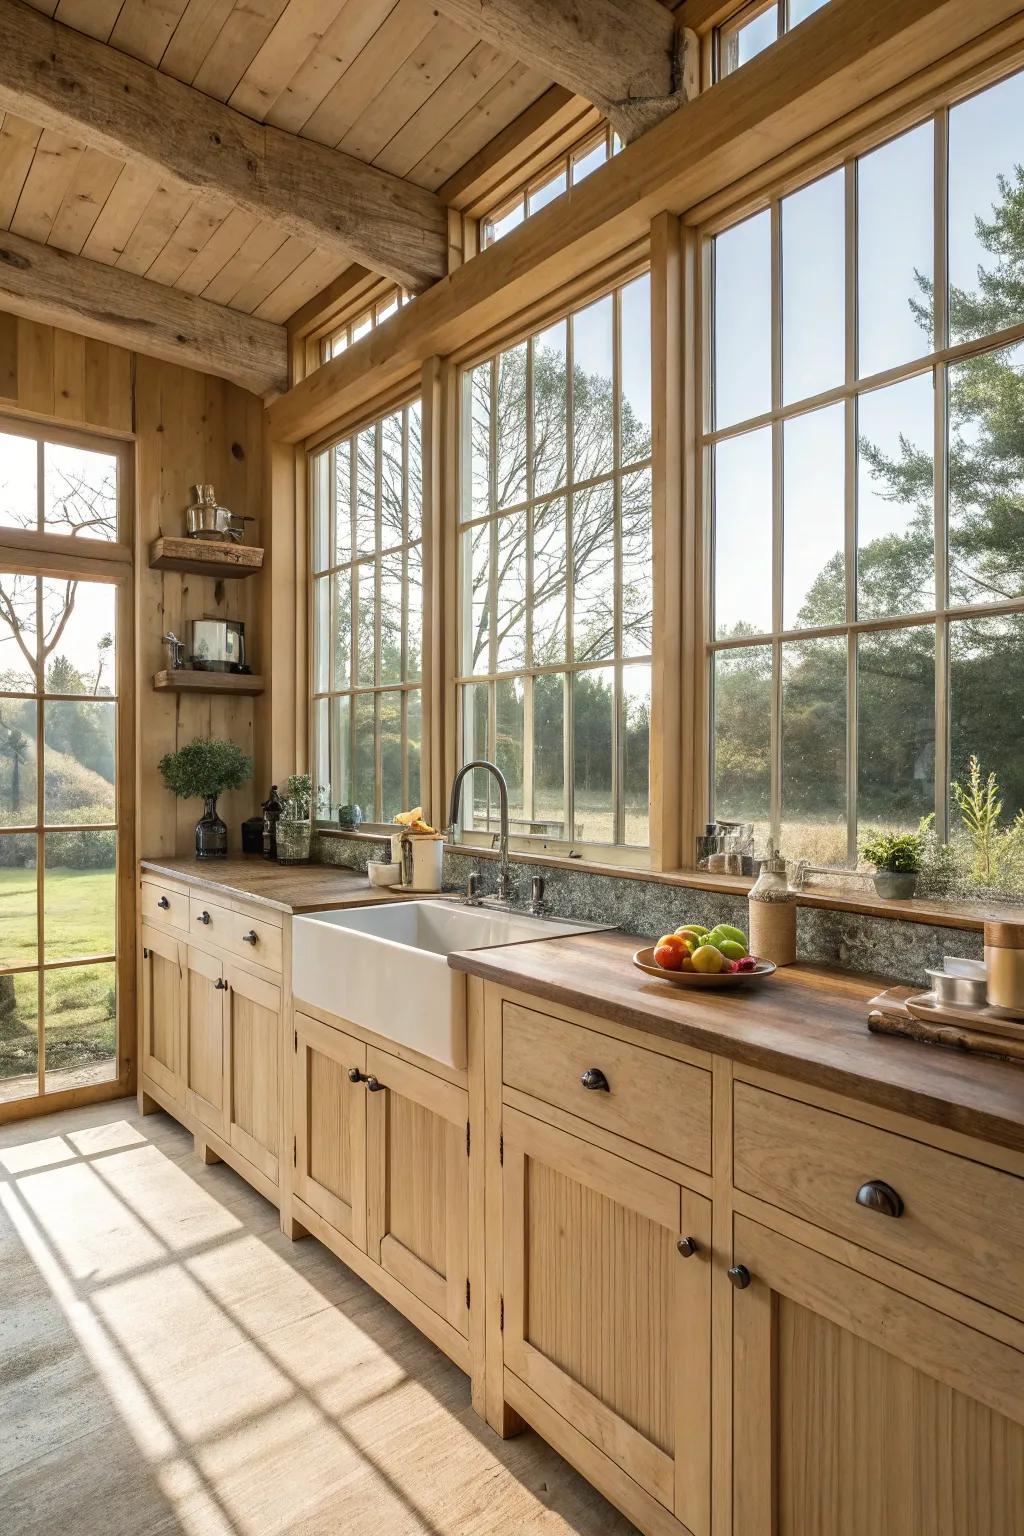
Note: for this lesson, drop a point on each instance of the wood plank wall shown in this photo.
(187, 427)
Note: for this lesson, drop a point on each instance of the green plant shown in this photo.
(299, 792)
(205, 767)
(980, 805)
(899, 852)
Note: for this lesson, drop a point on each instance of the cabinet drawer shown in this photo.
(236, 933)
(651, 1099)
(962, 1223)
(165, 906)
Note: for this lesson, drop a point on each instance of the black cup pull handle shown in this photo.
(163, 903)
(204, 917)
(877, 1195)
(594, 1078)
(739, 1274)
(252, 937)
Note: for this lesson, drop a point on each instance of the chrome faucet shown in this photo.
(504, 892)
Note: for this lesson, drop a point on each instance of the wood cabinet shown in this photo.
(161, 996)
(329, 1124)
(859, 1409)
(207, 1061)
(252, 1009)
(417, 1183)
(607, 1313)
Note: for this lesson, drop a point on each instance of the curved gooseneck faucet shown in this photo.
(504, 877)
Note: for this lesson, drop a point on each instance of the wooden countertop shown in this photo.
(291, 888)
(807, 1022)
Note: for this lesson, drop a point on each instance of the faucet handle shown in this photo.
(472, 896)
(537, 902)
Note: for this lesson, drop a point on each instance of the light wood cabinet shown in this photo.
(253, 1030)
(858, 1409)
(417, 1183)
(329, 1124)
(207, 1062)
(161, 994)
(607, 1320)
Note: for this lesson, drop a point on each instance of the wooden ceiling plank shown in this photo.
(193, 38)
(161, 217)
(369, 73)
(626, 56)
(514, 95)
(119, 215)
(310, 276)
(83, 202)
(18, 140)
(298, 33)
(217, 252)
(53, 165)
(482, 69)
(53, 287)
(270, 275)
(95, 18)
(192, 235)
(264, 242)
(145, 27)
(423, 72)
(343, 41)
(71, 84)
(237, 44)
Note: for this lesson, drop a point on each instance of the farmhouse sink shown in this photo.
(386, 969)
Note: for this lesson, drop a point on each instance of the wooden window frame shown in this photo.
(935, 363)
(561, 164)
(67, 557)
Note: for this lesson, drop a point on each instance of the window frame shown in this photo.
(935, 362)
(562, 163)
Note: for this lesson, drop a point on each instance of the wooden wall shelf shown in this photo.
(185, 681)
(205, 557)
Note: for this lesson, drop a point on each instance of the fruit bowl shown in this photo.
(644, 960)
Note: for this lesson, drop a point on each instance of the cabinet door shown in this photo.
(162, 993)
(330, 1126)
(417, 1174)
(605, 1318)
(858, 1409)
(254, 1046)
(206, 1042)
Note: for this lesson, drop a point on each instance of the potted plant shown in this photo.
(897, 858)
(203, 770)
(295, 828)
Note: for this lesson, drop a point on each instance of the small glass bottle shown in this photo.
(272, 808)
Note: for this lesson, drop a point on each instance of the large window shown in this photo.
(367, 618)
(864, 468)
(60, 817)
(555, 575)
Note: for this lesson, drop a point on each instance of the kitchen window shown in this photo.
(863, 480)
(555, 588)
(367, 618)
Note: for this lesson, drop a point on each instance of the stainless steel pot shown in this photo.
(205, 519)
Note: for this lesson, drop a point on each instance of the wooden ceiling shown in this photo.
(392, 82)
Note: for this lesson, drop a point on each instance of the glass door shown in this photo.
(64, 644)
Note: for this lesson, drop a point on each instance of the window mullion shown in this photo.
(941, 381)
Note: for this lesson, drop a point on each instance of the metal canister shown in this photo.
(1004, 966)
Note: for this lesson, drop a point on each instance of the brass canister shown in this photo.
(1004, 965)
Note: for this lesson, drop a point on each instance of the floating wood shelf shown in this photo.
(205, 557)
(186, 681)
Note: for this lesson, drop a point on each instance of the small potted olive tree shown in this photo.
(897, 858)
(203, 770)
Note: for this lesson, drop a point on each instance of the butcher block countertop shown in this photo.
(807, 1022)
(285, 887)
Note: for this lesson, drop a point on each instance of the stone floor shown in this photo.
(170, 1362)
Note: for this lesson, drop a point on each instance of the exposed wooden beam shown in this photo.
(626, 56)
(814, 81)
(94, 94)
(43, 283)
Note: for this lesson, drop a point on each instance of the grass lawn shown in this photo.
(79, 1009)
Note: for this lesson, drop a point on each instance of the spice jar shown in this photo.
(1004, 966)
(772, 913)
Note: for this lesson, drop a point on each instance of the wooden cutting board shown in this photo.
(978, 1030)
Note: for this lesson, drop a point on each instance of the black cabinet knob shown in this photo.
(220, 984)
(373, 1085)
(687, 1246)
(164, 903)
(594, 1078)
(878, 1196)
(252, 937)
(204, 917)
(739, 1274)
(355, 1076)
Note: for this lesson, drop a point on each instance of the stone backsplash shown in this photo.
(885, 946)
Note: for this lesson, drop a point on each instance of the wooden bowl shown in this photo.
(644, 961)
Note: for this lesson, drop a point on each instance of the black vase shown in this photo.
(211, 832)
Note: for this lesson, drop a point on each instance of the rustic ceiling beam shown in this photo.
(90, 92)
(40, 282)
(626, 56)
